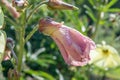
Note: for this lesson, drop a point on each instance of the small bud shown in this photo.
(59, 4)
(11, 42)
(19, 4)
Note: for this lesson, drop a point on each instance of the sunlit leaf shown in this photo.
(90, 13)
(106, 8)
(114, 10)
(43, 62)
(1, 18)
(40, 74)
(2, 43)
(91, 2)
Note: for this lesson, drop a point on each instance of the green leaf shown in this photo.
(114, 10)
(2, 43)
(90, 13)
(106, 8)
(91, 2)
(1, 18)
(43, 74)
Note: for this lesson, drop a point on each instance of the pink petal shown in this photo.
(74, 51)
(74, 46)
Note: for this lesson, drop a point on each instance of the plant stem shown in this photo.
(21, 42)
(21, 33)
(97, 24)
(31, 33)
(21, 49)
(35, 9)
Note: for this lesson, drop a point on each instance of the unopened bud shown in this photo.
(10, 42)
(20, 4)
(58, 4)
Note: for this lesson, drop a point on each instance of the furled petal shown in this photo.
(74, 46)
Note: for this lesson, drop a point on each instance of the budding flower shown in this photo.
(20, 4)
(59, 4)
(74, 46)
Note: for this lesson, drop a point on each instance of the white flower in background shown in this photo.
(105, 56)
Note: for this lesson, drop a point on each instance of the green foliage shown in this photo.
(1, 18)
(39, 74)
(98, 19)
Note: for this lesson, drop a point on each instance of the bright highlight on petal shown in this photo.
(74, 46)
(105, 56)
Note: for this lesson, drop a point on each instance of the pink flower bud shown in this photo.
(59, 4)
(20, 5)
(74, 46)
(11, 9)
(7, 55)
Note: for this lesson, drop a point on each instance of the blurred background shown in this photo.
(98, 19)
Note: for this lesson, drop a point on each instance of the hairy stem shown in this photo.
(21, 49)
(21, 40)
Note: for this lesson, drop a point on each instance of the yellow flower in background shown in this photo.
(105, 56)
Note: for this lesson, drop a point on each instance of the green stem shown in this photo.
(21, 33)
(21, 49)
(31, 33)
(35, 9)
(97, 25)
(21, 42)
